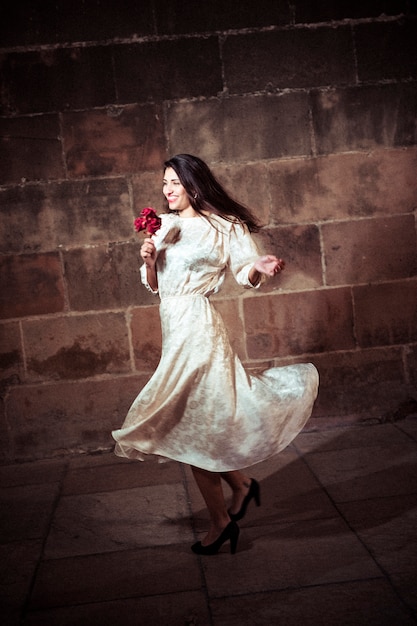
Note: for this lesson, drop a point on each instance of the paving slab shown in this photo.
(116, 575)
(359, 603)
(95, 539)
(170, 609)
(367, 472)
(285, 555)
(116, 520)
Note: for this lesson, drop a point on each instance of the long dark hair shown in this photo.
(206, 193)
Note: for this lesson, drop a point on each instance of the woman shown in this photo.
(201, 407)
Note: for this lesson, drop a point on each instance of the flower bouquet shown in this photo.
(147, 221)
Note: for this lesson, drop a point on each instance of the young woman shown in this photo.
(201, 407)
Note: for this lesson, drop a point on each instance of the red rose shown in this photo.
(147, 220)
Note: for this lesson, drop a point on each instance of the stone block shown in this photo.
(328, 10)
(368, 250)
(45, 217)
(298, 323)
(362, 382)
(98, 21)
(145, 327)
(74, 347)
(185, 68)
(386, 314)
(30, 149)
(411, 361)
(147, 191)
(365, 117)
(56, 419)
(341, 186)
(47, 74)
(114, 141)
(11, 355)
(31, 284)
(272, 60)
(248, 184)
(51, 22)
(175, 17)
(299, 246)
(105, 277)
(241, 129)
(386, 50)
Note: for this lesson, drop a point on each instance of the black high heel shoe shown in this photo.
(255, 493)
(230, 532)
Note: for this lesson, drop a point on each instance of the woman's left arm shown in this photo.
(268, 265)
(247, 265)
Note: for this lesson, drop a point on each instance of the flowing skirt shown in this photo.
(202, 408)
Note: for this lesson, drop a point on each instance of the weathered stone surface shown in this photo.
(386, 314)
(51, 22)
(176, 17)
(365, 117)
(185, 68)
(46, 76)
(329, 10)
(411, 360)
(31, 284)
(249, 184)
(282, 59)
(297, 323)
(216, 127)
(145, 327)
(36, 141)
(299, 246)
(74, 347)
(362, 382)
(114, 141)
(64, 417)
(11, 356)
(386, 50)
(105, 277)
(44, 217)
(147, 191)
(370, 250)
(342, 186)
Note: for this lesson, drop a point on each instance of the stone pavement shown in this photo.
(97, 540)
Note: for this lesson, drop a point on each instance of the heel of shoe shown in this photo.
(231, 533)
(233, 539)
(256, 492)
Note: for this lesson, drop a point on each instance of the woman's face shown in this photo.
(174, 192)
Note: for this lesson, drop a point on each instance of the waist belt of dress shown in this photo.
(185, 295)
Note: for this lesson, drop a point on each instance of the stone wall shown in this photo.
(305, 110)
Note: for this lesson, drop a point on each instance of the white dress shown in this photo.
(200, 406)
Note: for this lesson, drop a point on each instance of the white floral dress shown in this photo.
(200, 406)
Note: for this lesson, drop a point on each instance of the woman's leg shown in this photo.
(210, 486)
(239, 484)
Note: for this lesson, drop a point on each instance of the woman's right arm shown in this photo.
(149, 254)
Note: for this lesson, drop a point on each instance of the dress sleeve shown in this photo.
(243, 254)
(145, 280)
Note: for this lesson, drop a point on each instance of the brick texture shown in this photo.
(45, 217)
(76, 347)
(291, 324)
(370, 250)
(289, 58)
(305, 111)
(114, 141)
(37, 142)
(31, 285)
(217, 129)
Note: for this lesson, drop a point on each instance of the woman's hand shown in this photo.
(148, 252)
(269, 265)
